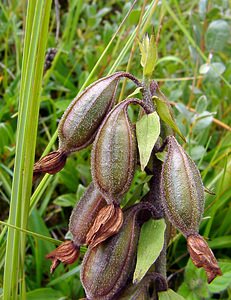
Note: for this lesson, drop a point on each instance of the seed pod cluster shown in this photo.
(112, 234)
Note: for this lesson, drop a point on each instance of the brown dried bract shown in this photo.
(67, 253)
(107, 223)
(202, 256)
(51, 163)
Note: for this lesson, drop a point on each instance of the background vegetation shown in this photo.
(193, 70)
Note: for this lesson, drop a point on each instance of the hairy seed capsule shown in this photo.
(114, 153)
(81, 220)
(182, 194)
(84, 115)
(84, 214)
(107, 267)
(182, 189)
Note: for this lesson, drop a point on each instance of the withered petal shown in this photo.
(202, 256)
(107, 223)
(67, 253)
(51, 163)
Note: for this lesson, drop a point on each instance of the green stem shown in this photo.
(38, 13)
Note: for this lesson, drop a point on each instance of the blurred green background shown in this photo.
(194, 72)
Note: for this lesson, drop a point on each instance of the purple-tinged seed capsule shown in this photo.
(114, 153)
(81, 120)
(84, 214)
(107, 267)
(182, 194)
(182, 190)
(81, 220)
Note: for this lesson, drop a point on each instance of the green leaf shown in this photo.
(149, 55)
(44, 293)
(216, 69)
(165, 115)
(170, 295)
(197, 152)
(221, 283)
(147, 130)
(202, 104)
(66, 200)
(137, 91)
(220, 242)
(171, 58)
(150, 245)
(195, 284)
(217, 35)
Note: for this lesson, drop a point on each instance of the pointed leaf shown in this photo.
(170, 295)
(147, 130)
(151, 57)
(164, 113)
(150, 245)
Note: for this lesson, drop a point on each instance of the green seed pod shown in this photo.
(84, 115)
(107, 267)
(182, 190)
(114, 153)
(84, 214)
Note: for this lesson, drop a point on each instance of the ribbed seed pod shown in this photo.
(84, 115)
(114, 153)
(107, 267)
(81, 220)
(81, 120)
(182, 190)
(84, 214)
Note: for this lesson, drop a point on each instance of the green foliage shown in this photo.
(194, 72)
(149, 55)
(150, 245)
(147, 131)
(169, 295)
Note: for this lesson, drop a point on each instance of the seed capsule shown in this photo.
(81, 120)
(114, 153)
(107, 267)
(84, 214)
(182, 189)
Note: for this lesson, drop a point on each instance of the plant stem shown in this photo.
(36, 33)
